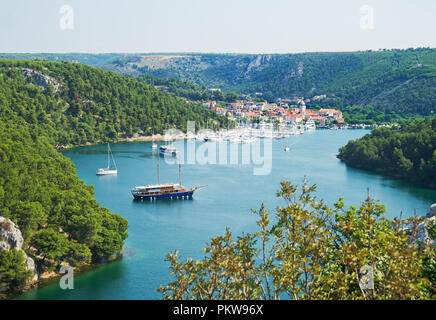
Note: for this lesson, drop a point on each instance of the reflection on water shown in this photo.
(89, 284)
(424, 194)
(160, 202)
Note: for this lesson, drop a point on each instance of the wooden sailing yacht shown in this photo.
(108, 170)
(168, 190)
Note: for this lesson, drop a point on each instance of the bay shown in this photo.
(158, 227)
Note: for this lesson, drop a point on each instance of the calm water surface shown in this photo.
(156, 228)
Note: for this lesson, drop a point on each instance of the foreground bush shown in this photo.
(311, 251)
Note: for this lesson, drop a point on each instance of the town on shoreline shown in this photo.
(292, 111)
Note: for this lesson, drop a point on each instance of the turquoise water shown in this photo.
(159, 227)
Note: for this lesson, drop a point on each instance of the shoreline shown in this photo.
(157, 137)
(47, 281)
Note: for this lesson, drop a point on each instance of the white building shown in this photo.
(302, 107)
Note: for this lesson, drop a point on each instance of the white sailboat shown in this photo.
(108, 170)
(154, 145)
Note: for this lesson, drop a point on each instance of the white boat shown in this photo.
(190, 135)
(108, 170)
(287, 148)
(199, 137)
(235, 139)
(168, 151)
(310, 125)
(154, 145)
(248, 139)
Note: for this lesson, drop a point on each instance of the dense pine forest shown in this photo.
(407, 152)
(383, 85)
(188, 90)
(44, 104)
(396, 80)
(56, 212)
(399, 81)
(75, 104)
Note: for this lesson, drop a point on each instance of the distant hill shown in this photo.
(399, 81)
(188, 90)
(94, 60)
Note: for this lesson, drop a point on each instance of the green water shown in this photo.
(159, 227)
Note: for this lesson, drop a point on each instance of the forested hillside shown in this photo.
(403, 81)
(399, 81)
(56, 212)
(188, 90)
(407, 152)
(43, 104)
(74, 104)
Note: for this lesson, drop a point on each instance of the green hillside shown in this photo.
(407, 152)
(398, 81)
(188, 90)
(75, 104)
(403, 81)
(58, 216)
(44, 104)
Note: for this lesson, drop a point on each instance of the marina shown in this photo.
(242, 133)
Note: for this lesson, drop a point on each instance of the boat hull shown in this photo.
(107, 173)
(168, 153)
(181, 194)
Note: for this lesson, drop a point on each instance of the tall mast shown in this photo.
(158, 168)
(108, 157)
(180, 173)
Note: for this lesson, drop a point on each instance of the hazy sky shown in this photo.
(238, 26)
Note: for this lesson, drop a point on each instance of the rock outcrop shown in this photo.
(41, 79)
(12, 239)
(432, 211)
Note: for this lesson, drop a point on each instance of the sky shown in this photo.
(216, 26)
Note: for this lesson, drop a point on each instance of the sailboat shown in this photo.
(162, 191)
(154, 145)
(108, 170)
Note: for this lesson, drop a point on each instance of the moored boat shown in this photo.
(168, 151)
(168, 190)
(160, 191)
(108, 171)
(154, 145)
